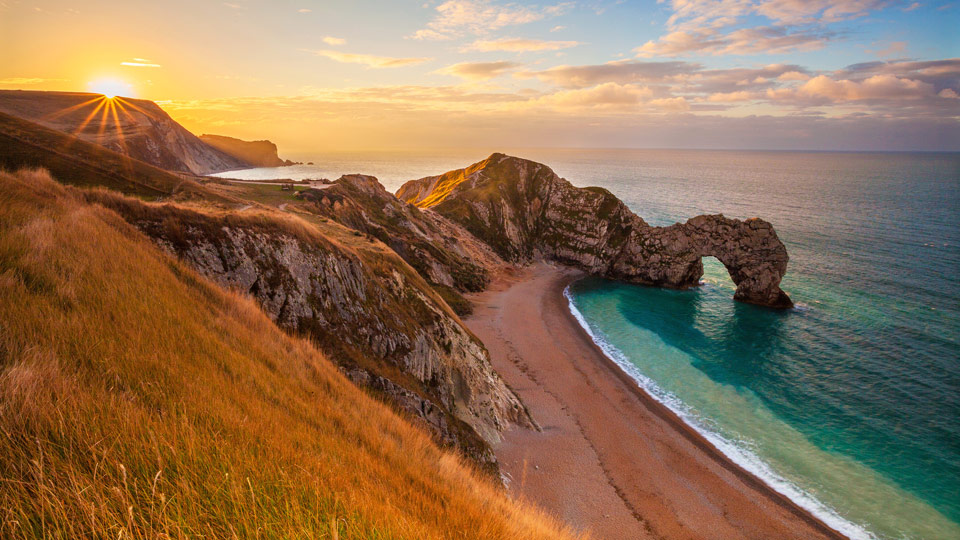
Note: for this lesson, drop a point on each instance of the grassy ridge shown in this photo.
(25, 144)
(138, 400)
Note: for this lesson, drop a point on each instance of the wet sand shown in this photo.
(609, 458)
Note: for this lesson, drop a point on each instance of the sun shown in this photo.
(111, 88)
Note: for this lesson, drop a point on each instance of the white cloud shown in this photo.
(369, 60)
(519, 45)
(480, 17)
(704, 26)
(758, 40)
(334, 41)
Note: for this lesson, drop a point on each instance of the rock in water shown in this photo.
(524, 211)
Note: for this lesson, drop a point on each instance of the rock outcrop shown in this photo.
(134, 127)
(256, 153)
(447, 255)
(524, 211)
(364, 306)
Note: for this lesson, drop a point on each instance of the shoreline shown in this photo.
(602, 432)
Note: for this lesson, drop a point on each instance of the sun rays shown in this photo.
(104, 123)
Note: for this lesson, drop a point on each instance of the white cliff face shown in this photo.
(524, 212)
(369, 311)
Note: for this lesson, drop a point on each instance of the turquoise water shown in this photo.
(849, 404)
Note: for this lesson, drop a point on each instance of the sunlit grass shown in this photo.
(138, 400)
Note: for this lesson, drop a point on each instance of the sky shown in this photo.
(365, 75)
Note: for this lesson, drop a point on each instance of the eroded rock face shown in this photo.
(524, 211)
(365, 307)
(442, 251)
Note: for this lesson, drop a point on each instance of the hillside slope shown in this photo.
(134, 127)
(410, 349)
(364, 306)
(525, 211)
(256, 153)
(139, 400)
(25, 144)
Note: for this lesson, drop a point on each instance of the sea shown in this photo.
(849, 403)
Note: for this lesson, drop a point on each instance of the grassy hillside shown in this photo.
(78, 162)
(138, 400)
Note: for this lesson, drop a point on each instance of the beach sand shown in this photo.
(609, 458)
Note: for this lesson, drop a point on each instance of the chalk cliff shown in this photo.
(524, 211)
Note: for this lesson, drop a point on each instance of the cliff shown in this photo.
(443, 252)
(524, 211)
(256, 153)
(367, 309)
(140, 400)
(133, 127)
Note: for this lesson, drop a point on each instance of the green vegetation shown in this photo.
(139, 400)
(460, 305)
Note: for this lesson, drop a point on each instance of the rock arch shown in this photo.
(671, 256)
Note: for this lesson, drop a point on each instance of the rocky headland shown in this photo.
(256, 153)
(525, 212)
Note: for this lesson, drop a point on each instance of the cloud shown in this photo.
(26, 81)
(234, 6)
(369, 60)
(721, 27)
(895, 48)
(140, 62)
(794, 76)
(558, 28)
(758, 40)
(883, 88)
(478, 70)
(602, 95)
(304, 10)
(823, 89)
(480, 17)
(361, 119)
(804, 11)
(912, 7)
(519, 45)
(697, 14)
(334, 41)
(621, 72)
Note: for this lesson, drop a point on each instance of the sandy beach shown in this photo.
(609, 458)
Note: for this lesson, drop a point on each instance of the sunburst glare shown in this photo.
(111, 88)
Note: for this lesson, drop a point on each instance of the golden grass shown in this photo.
(138, 400)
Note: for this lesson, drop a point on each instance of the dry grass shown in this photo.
(138, 400)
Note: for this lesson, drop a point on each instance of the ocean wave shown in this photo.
(738, 452)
